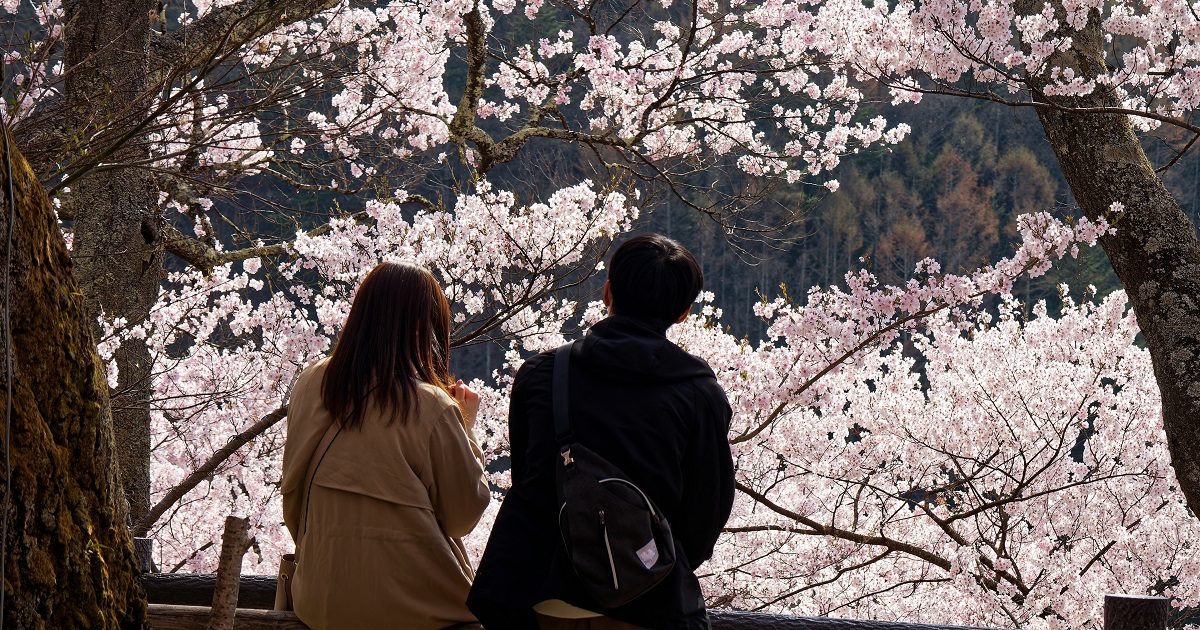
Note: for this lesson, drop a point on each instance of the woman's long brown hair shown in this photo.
(398, 332)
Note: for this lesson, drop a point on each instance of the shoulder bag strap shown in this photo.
(560, 397)
(318, 456)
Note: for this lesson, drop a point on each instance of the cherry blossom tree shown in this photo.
(865, 475)
(1013, 478)
(1007, 474)
(1098, 74)
(151, 144)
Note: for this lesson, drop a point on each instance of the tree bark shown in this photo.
(1154, 250)
(116, 60)
(117, 248)
(70, 561)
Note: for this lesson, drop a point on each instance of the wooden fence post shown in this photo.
(234, 543)
(1136, 612)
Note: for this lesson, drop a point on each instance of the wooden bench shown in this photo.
(180, 601)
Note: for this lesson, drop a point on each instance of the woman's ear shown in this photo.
(684, 316)
(607, 294)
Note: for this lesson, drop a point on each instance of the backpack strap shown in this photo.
(560, 397)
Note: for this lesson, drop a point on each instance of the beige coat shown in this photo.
(388, 506)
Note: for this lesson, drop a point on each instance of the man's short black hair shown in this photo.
(654, 276)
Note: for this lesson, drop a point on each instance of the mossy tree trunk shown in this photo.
(70, 560)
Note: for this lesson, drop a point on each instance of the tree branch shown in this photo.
(207, 469)
(205, 257)
(835, 532)
(462, 126)
(224, 30)
(992, 97)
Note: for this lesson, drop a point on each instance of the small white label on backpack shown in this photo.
(648, 554)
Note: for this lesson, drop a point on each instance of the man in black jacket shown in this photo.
(642, 403)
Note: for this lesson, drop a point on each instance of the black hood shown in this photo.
(632, 349)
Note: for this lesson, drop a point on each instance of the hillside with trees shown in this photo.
(952, 191)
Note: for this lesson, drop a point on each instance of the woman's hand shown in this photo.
(468, 402)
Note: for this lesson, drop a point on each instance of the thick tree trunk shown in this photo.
(70, 560)
(1154, 251)
(118, 247)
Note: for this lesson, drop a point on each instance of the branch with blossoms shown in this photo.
(975, 51)
(204, 132)
(694, 100)
(907, 85)
(207, 469)
(65, 155)
(205, 256)
(226, 29)
(897, 309)
(196, 48)
(814, 528)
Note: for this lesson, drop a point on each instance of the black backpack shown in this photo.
(619, 543)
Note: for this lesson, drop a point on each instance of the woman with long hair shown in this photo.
(381, 472)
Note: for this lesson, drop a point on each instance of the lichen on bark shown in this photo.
(1154, 248)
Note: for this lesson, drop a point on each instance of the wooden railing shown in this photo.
(182, 602)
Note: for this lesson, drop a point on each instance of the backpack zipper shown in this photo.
(612, 565)
(649, 505)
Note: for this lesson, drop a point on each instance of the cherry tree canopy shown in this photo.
(1096, 72)
(1009, 477)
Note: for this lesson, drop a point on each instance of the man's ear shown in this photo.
(684, 316)
(607, 294)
